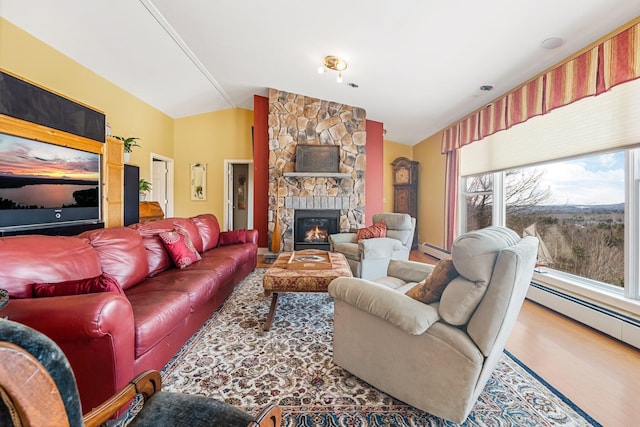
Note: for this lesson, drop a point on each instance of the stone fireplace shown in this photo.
(300, 184)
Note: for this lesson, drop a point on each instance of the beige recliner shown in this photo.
(369, 258)
(439, 356)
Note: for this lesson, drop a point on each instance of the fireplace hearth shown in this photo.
(313, 227)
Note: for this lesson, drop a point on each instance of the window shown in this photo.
(478, 202)
(575, 207)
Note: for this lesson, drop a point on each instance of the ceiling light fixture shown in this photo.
(333, 63)
(552, 43)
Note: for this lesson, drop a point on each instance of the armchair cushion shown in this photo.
(411, 316)
(474, 256)
(399, 226)
(430, 289)
(378, 229)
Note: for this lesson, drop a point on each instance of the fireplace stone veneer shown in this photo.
(297, 119)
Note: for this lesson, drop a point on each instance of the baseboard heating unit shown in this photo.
(603, 319)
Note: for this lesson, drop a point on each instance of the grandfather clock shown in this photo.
(405, 190)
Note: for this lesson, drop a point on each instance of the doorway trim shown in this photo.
(170, 172)
(228, 190)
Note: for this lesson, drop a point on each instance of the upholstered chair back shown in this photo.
(495, 267)
(399, 226)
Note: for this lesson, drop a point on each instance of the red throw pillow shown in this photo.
(232, 237)
(376, 230)
(103, 283)
(180, 248)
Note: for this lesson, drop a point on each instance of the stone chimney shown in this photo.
(298, 119)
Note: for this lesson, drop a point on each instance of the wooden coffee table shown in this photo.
(279, 278)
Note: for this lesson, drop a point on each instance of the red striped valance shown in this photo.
(571, 81)
(621, 57)
(615, 61)
(450, 140)
(469, 130)
(493, 118)
(525, 102)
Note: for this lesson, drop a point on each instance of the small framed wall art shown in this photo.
(198, 181)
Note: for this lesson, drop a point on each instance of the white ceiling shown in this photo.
(418, 64)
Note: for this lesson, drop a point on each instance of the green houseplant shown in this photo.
(144, 187)
(128, 144)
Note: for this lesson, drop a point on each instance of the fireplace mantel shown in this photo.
(317, 174)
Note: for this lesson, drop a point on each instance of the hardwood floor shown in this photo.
(599, 374)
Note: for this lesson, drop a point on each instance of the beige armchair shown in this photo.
(439, 356)
(369, 258)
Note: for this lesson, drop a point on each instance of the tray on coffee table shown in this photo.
(309, 259)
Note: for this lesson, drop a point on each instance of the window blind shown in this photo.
(599, 123)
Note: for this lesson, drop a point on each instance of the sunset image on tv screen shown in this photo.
(36, 174)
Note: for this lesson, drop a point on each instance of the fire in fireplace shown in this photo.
(318, 233)
(313, 227)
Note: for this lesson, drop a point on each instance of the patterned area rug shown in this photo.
(230, 358)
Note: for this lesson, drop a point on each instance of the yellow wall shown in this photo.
(431, 209)
(29, 58)
(431, 190)
(209, 138)
(392, 150)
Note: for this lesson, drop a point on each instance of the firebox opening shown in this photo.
(316, 230)
(313, 227)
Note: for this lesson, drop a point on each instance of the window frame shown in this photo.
(627, 298)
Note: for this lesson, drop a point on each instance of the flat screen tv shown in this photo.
(45, 184)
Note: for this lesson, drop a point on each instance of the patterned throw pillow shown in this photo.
(180, 248)
(376, 230)
(102, 283)
(431, 288)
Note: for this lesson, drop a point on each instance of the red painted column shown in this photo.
(261, 168)
(373, 186)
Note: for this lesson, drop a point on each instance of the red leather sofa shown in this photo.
(110, 337)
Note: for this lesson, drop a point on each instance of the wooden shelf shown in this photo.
(316, 175)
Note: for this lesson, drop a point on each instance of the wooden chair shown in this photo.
(37, 387)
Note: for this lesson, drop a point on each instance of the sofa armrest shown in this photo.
(96, 332)
(252, 236)
(343, 238)
(92, 315)
(410, 315)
